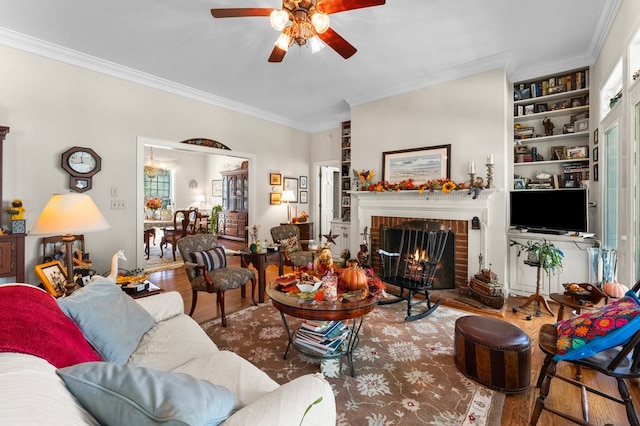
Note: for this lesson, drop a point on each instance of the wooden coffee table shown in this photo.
(322, 311)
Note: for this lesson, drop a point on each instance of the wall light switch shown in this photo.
(114, 191)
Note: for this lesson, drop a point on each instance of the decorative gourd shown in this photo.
(615, 289)
(355, 277)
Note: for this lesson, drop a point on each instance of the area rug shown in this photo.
(405, 371)
(156, 263)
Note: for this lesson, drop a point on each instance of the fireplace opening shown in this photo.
(456, 250)
(390, 241)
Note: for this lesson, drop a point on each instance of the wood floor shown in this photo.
(517, 408)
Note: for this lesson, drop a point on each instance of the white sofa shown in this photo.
(32, 392)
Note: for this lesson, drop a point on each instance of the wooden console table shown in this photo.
(261, 261)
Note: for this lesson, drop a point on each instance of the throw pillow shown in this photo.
(211, 259)
(595, 331)
(291, 244)
(130, 395)
(32, 323)
(110, 320)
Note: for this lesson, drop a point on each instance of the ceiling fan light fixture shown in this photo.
(321, 22)
(278, 19)
(283, 42)
(315, 44)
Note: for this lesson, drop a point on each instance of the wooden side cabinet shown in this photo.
(12, 256)
(12, 245)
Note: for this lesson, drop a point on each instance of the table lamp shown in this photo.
(287, 197)
(69, 214)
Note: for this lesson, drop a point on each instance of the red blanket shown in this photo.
(32, 323)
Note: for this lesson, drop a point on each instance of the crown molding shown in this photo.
(48, 50)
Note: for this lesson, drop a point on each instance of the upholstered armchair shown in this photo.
(206, 266)
(288, 236)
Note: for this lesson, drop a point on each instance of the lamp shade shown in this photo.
(69, 214)
(287, 196)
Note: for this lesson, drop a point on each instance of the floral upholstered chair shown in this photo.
(206, 266)
(288, 236)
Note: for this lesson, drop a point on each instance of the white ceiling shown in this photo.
(403, 45)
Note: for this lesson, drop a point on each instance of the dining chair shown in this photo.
(183, 225)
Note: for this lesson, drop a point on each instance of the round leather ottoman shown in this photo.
(493, 352)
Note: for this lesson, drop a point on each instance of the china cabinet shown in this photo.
(233, 219)
(11, 245)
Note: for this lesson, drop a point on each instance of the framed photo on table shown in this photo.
(419, 164)
(53, 277)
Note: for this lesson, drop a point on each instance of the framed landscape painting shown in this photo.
(419, 164)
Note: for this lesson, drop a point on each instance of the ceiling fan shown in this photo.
(309, 21)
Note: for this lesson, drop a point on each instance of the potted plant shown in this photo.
(543, 253)
(213, 224)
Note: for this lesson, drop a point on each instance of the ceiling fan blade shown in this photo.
(335, 6)
(277, 54)
(337, 43)
(240, 12)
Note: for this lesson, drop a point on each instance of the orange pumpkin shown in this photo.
(355, 277)
(615, 289)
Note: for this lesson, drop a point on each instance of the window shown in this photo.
(610, 238)
(158, 186)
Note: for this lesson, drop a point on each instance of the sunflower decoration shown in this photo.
(448, 186)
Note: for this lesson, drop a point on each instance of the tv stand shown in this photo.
(547, 231)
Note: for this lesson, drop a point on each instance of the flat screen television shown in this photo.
(552, 211)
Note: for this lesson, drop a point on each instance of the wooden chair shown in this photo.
(183, 225)
(622, 363)
(411, 264)
(289, 237)
(212, 279)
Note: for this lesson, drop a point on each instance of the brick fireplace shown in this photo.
(459, 228)
(371, 209)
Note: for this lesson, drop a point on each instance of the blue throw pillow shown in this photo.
(109, 319)
(129, 395)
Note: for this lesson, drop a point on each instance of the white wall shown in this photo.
(51, 106)
(470, 114)
(616, 47)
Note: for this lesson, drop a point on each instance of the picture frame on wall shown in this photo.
(291, 184)
(53, 277)
(275, 179)
(303, 182)
(595, 137)
(419, 164)
(595, 154)
(595, 173)
(274, 198)
(304, 197)
(216, 188)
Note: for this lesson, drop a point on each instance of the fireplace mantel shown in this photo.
(457, 205)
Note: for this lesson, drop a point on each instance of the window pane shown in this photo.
(610, 240)
(158, 186)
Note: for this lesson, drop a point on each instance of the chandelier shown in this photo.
(152, 170)
(306, 23)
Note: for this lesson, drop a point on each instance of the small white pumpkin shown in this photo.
(615, 289)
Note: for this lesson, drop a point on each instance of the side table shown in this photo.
(260, 261)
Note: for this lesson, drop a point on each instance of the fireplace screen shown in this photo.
(412, 248)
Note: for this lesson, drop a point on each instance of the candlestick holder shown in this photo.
(472, 179)
(489, 175)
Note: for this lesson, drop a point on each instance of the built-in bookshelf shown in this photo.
(551, 131)
(345, 172)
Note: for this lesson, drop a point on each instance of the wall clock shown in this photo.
(81, 164)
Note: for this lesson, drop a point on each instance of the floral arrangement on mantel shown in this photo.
(153, 203)
(445, 185)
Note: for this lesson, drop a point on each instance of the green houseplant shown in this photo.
(543, 252)
(213, 224)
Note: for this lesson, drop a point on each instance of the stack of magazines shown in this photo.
(323, 337)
